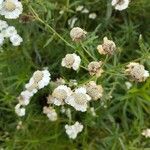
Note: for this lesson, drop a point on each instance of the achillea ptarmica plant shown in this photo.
(94, 91)
(77, 34)
(94, 68)
(71, 61)
(137, 72)
(108, 47)
(120, 4)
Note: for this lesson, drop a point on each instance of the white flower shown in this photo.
(77, 34)
(59, 95)
(71, 61)
(16, 40)
(50, 112)
(79, 99)
(11, 9)
(20, 111)
(80, 8)
(10, 31)
(25, 97)
(1, 39)
(146, 133)
(92, 15)
(3, 25)
(120, 4)
(73, 130)
(128, 85)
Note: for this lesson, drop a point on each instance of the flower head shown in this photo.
(108, 47)
(137, 72)
(50, 112)
(20, 111)
(73, 130)
(71, 61)
(11, 9)
(120, 4)
(94, 68)
(77, 34)
(16, 39)
(79, 99)
(94, 91)
(59, 95)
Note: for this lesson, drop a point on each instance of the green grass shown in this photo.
(46, 42)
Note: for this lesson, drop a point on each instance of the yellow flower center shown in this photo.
(9, 5)
(38, 75)
(59, 94)
(80, 98)
(69, 60)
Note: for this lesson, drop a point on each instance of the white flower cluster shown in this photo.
(38, 81)
(11, 9)
(78, 98)
(73, 130)
(9, 32)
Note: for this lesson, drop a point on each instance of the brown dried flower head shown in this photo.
(108, 47)
(137, 71)
(77, 34)
(94, 68)
(94, 91)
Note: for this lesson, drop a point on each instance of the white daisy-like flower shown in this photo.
(3, 25)
(79, 99)
(39, 80)
(10, 31)
(1, 39)
(20, 111)
(59, 95)
(50, 112)
(25, 97)
(92, 16)
(71, 61)
(16, 40)
(146, 133)
(73, 130)
(120, 4)
(77, 34)
(11, 9)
